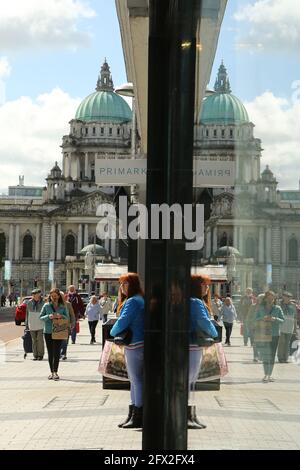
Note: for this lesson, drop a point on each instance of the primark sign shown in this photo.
(124, 172)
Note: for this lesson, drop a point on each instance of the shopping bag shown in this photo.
(263, 332)
(60, 328)
(112, 361)
(77, 326)
(213, 364)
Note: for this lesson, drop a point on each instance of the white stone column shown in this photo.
(215, 239)
(235, 237)
(261, 244)
(113, 248)
(106, 245)
(79, 238)
(86, 165)
(59, 242)
(78, 167)
(37, 242)
(69, 277)
(11, 242)
(52, 245)
(86, 235)
(241, 241)
(283, 246)
(237, 166)
(69, 164)
(17, 242)
(208, 243)
(75, 277)
(269, 245)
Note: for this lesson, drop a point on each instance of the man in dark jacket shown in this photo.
(74, 298)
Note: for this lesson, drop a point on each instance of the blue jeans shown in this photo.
(73, 334)
(135, 367)
(195, 359)
(64, 345)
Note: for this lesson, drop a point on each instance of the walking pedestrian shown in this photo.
(74, 298)
(269, 316)
(35, 324)
(244, 308)
(228, 315)
(105, 305)
(132, 317)
(92, 312)
(65, 342)
(287, 328)
(55, 308)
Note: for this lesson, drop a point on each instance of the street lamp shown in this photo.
(127, 90)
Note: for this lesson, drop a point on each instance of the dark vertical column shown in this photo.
(172, 53)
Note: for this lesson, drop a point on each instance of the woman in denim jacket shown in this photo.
(132, 317)
(55, 308)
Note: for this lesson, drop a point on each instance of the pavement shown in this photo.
(76, 413)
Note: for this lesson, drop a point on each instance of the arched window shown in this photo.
(27, 246)
(250, 248)
(2, 247)
(70, 245)
(293, 250)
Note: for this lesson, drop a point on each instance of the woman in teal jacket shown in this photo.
(271, 313)
(55, 308)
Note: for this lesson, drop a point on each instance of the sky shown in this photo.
(51, 53)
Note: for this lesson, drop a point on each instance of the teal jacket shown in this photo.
(47, 310)
(276, 312)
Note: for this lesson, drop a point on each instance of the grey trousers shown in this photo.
(38, 348)
(283, 351)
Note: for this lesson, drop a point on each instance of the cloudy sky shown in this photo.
(51, 53)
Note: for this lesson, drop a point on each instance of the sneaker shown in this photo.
(255, 360)
(50, 377)
(73, 342)
(34, 358)
(55, 376)
(271, 379)
(265, 379)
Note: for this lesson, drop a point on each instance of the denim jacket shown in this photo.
(131, 316)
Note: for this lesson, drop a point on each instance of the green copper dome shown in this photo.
(104, 104)
(222, 107)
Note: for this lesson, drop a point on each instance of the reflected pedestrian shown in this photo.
(269, 316)
(228, 315)
(92, 312)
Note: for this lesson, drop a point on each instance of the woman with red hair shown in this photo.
(132, 317)
(200, 312)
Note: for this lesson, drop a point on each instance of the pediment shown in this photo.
(86, 205)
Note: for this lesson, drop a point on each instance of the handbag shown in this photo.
(213, 364)
(123, 338)
(203, 339)
(60, 328)
(263, 332)
(112, 362)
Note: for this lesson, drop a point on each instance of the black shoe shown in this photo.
(40, 358)
(192, 424)
(130, 411)
(136, 420)
(35, 359)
